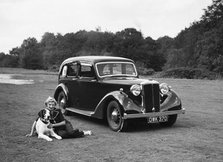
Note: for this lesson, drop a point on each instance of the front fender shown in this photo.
(59, 88)
(120, 97)
(172, 101)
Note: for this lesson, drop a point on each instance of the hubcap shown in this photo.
(115, 116)
(62, 103)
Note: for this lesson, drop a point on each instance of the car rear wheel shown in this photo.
(171, 120)
(114, 117)
(62, 102)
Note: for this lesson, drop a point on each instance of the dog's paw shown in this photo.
(50, 139)
(28, 135)
(59, 138)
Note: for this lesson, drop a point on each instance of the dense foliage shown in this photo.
(53, 49)
(200, 46)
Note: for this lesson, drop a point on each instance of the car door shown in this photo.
(72, 84)
(88, 87)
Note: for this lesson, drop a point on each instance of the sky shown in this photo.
(21, 19)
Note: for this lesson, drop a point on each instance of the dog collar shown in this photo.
(44, 121)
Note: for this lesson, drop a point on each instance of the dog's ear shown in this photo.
(42, 113)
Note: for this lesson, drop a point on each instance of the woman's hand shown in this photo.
(50, 126)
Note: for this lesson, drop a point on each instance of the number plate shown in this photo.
(158, 119)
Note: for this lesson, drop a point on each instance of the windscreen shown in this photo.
(107, 69)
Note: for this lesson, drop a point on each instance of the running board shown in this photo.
(82, 112)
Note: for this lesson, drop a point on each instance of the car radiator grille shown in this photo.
(151, 97)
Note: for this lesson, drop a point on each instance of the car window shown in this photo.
(104, 69)
(87, 70)
(64, 71)
(129, 69)
(116, 69)
(72, 69)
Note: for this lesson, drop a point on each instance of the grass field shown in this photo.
(196, 136)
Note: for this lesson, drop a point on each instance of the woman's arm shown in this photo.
(59, 124)
(59, 119)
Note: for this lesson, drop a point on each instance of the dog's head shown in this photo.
(44, 114)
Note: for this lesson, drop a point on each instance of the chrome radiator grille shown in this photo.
(151, 97)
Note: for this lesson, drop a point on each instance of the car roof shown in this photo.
(95, 59)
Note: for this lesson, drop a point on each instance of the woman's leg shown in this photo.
(63, 133)
(77, 133)
(73, 133)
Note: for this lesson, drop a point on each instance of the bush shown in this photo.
(145, 71)
(54, 68)
(190, 73)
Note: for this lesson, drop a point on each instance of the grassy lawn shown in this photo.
(196, 136)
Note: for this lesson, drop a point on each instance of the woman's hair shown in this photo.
(50, 99)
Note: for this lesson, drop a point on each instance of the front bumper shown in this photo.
(153, 114)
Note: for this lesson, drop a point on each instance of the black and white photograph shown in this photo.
(111, 81)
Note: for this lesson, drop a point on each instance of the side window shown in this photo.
(72, 69)
(87, 70)
(64, 71)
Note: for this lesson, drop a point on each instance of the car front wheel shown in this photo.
(62, 102)
(114, 117)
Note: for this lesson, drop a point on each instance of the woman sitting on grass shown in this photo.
(60, 125)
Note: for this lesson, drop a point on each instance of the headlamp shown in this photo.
(136, 89)
(164, 88)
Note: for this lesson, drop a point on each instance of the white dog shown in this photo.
(41, 126)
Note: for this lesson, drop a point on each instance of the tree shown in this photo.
(200, 45)
(30, 56)
(213, 14)
(8, 60)
(127, 42)
(165, 43)
(49, 49)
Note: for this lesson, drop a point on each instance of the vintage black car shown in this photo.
(109, 88)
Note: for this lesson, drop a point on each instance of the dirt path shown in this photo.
(196, 136)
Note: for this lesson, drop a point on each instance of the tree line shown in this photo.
(53, 49)
(198, 46)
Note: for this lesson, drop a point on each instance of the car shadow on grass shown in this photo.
(141, 125)
(136, 125)
(87, 119)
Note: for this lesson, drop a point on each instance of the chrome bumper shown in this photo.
(153, 114)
